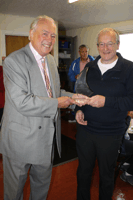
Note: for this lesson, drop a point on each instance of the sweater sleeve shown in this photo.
(123, 103)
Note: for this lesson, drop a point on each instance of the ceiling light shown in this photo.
(72, 1)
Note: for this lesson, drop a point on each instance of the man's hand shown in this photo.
(76, 76)
(97, 101)
(80, 99)
(80, 117)
(64, 102)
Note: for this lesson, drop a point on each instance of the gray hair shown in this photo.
(39, 18)
(83, 46)
(109, 30)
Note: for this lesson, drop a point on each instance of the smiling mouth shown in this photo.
(46, 45)
(106, 53)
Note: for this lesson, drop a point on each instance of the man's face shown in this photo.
(107, 47)
(83, 53)
(43, 37)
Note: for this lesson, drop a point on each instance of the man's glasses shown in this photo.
(109, 44)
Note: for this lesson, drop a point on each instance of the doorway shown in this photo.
(14, 43)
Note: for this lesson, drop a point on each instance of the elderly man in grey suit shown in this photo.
(31, 113)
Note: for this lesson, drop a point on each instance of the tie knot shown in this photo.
(43, 60)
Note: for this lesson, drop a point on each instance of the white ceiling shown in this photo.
(76, 15)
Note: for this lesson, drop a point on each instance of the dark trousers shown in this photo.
(130, 169)
(105, 149)
(1, 113)
(128, 144)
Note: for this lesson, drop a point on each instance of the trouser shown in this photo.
(105, 149)
(15, 176)
(1, 113)
(130, 169)
(128, 145)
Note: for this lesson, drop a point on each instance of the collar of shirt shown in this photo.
(37, 56)
(105, 67)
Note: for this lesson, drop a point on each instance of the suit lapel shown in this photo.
(35, 73)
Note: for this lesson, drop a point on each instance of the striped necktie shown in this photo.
(49, 90)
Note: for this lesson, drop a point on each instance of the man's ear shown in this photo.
(118, 45)
(97, 47)
(31, 34)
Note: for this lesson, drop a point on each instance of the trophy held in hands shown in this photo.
(81, 86)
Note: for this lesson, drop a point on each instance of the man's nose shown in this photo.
(105, 46)
(49, 38)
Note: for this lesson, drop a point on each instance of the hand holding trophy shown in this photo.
(82, 89)
(80, 99)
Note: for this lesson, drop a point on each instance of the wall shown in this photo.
(88, 35)
(16, 25)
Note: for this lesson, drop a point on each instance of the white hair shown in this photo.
(39, 18)
(109, 30)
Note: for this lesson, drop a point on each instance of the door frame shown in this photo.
(3, 39)
(17, 33)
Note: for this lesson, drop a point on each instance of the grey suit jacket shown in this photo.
(30, 116)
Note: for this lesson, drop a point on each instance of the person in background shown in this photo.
(31, 118)
(127, 167)
(76, 67)
(101, 123)
(2, 93)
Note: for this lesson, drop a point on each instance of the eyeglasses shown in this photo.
(109, 44)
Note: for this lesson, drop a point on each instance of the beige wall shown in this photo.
(16, 25)
(88, 35)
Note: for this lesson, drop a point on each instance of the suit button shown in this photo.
(39, 127)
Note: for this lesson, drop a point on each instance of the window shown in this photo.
(126, 46)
